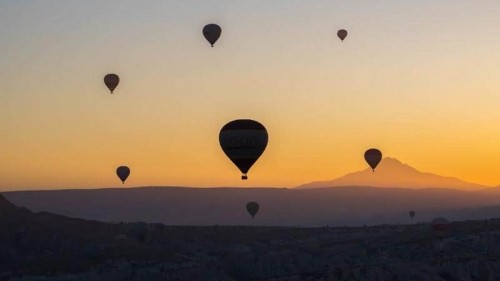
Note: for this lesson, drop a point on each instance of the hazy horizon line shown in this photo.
(242, 187)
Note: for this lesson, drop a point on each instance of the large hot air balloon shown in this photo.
(252, 208)
(212, 33)
(123, 172)
(441, 226)
(342, 34)
(111, 80)
(373, 157)
(412, 213)
(243, 141)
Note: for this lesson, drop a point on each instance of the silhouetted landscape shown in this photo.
(307, 233)
(305, 207)
(45, 246)
(336, 233)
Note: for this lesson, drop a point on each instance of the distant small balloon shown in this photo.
(212, 33)
(111, 80)
(252, 208)
(123, 172)
(412, 213)
(243, 141)
(373, 157)
(342, 34)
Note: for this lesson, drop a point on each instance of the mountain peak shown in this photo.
(390, 163)
(391, 172)
(392, 160)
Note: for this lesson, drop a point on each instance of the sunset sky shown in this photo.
(420, 80)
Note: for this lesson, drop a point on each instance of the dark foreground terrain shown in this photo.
(44, 246)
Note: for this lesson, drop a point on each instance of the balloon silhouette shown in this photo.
(212, 33)
(111, 80)
(123, 172)
(412, 213)
(373, 157)
(252, 208)
(243, 141)
(342, 34)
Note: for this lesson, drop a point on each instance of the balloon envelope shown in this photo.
(252, 208)
(412, 213)
(243, 141)
(373, 157)
(342, 34)
(212, 33)
(111, 80)
(123, 172)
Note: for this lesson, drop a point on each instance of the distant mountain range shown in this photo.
(365, 197)
(278, 206)
(392, 173)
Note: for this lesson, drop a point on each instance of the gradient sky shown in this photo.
(418, 79)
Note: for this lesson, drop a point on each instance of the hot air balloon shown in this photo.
(342, 34)
(243, 141)
(441, 226)
(252, 208)
(412, 214)
(123, 172)
(111, 80)
(373, 157)
(212, 33)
